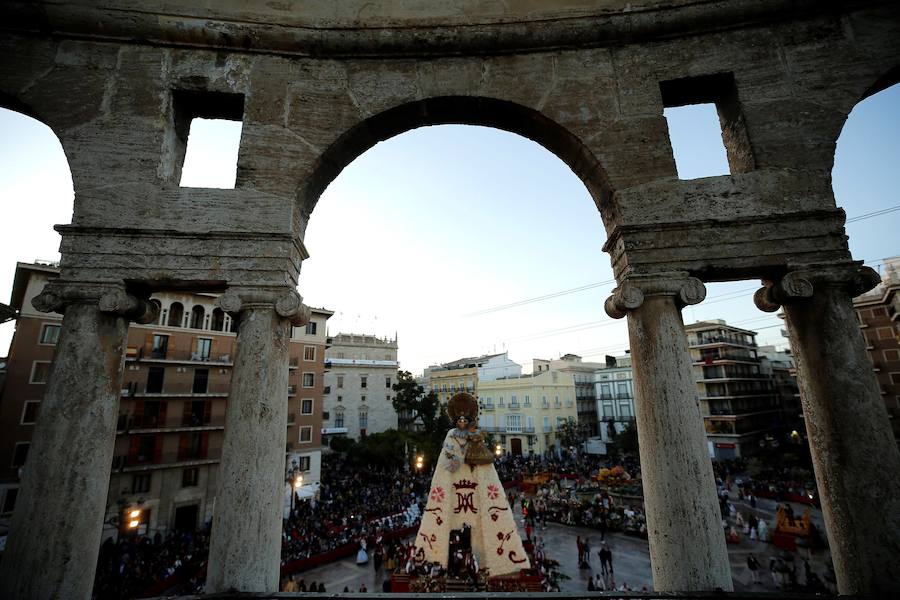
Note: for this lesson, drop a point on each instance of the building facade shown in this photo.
(614, 391)
(524, 412)
(737, 400)
(878, 312)
(463, 375)
(172, 405)
(358, 395)
(584, 374)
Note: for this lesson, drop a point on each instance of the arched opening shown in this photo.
(460, 110)
(218, 319)
(197, 315)
(176, 314)
(159, 318)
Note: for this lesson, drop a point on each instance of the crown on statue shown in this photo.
(465, 484)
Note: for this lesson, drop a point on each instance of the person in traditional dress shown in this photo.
(466, 491)
(361, 556)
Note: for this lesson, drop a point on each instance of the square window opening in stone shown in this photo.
(707, 130)
(205, 139)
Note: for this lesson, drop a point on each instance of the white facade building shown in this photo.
(359, 373)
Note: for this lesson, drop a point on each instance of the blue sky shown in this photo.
(441, 222)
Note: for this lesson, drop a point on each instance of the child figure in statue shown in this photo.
(465, 490)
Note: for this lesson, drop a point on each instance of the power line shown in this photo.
(590, 286)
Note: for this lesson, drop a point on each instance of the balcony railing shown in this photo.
(129, 423)
(166, 459)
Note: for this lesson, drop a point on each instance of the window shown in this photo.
(201, 381)
(387, 382)
(160, 346)
(339, 418)
(204, 349)
(895, 378)
(309, 380)
(625, 409)
(527, 400)
(140, 483)
(190, 477)
(891, 355)
(362, 398)
(340, 381)
(340, 398)
(500, 402)
(546, 424)
(204, 138)
(363, 379)
(304, 463)
(198, 314)
(155, 377)
(176, 314)
(607, 409)
(40, 371)
(309, 353)
(363, 419)
(20, 454)
(885, 333)
(306, 406)
(305, 434)
(513, 423)
(50, 334)
(311, 328)
(30, 412)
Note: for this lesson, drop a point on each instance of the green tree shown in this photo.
(414, 406)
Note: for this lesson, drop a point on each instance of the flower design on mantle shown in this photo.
(437, 494)
(493, 491)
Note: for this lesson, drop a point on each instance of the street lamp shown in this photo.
(420, 462)
(134, 517)
(498, 450)
(298, 483)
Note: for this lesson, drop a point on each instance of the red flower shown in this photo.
(493, 491)
(437, 494)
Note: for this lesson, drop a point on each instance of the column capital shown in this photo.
(803, 282)
(287, 303)
(109, 298)
(633, 288)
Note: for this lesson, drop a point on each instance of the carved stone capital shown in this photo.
(57, 295)
(853, 278)
(288, 304)
(635, 288)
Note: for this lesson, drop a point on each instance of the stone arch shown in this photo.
(198, 313)
(218, 319)
(459, 110)
(176, 314)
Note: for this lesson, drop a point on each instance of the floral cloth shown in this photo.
(471, 495)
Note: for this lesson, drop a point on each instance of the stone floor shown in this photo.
(631, 559)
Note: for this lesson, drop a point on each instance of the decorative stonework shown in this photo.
(802, 283)
(288, 304)
(632, 291)
(57, 296)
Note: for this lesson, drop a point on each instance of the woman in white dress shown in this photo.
(362, 557)
(465, 490)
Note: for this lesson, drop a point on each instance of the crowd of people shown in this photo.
(351, 504)
(129, 566)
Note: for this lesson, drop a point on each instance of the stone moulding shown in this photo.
(602, 26)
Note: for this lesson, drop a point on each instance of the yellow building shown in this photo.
(464, 374)
(523, 412)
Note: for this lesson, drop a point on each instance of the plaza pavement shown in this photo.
(631, 558)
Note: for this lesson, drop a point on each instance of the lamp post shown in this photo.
(298, 483)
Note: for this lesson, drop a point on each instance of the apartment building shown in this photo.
(172, 407)
(463, 375)
(584, 374)
(737, 400)
(878, 312)
(361, 370)
(614, 391)
(524, 412)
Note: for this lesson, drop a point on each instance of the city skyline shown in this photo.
(484, 245)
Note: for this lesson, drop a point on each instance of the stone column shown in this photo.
(55, 534)
(854, 452)
(245, 544)
(687, 544)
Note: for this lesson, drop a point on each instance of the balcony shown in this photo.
(167, 460)
(513, 405)
(292, 390)
(152, 424)
(175, 358)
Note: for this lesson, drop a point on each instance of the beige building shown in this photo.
(463, 375)
(585, 374)
(358, 395)
(524, 412)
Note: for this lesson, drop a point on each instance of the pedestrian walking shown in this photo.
(753, 565)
